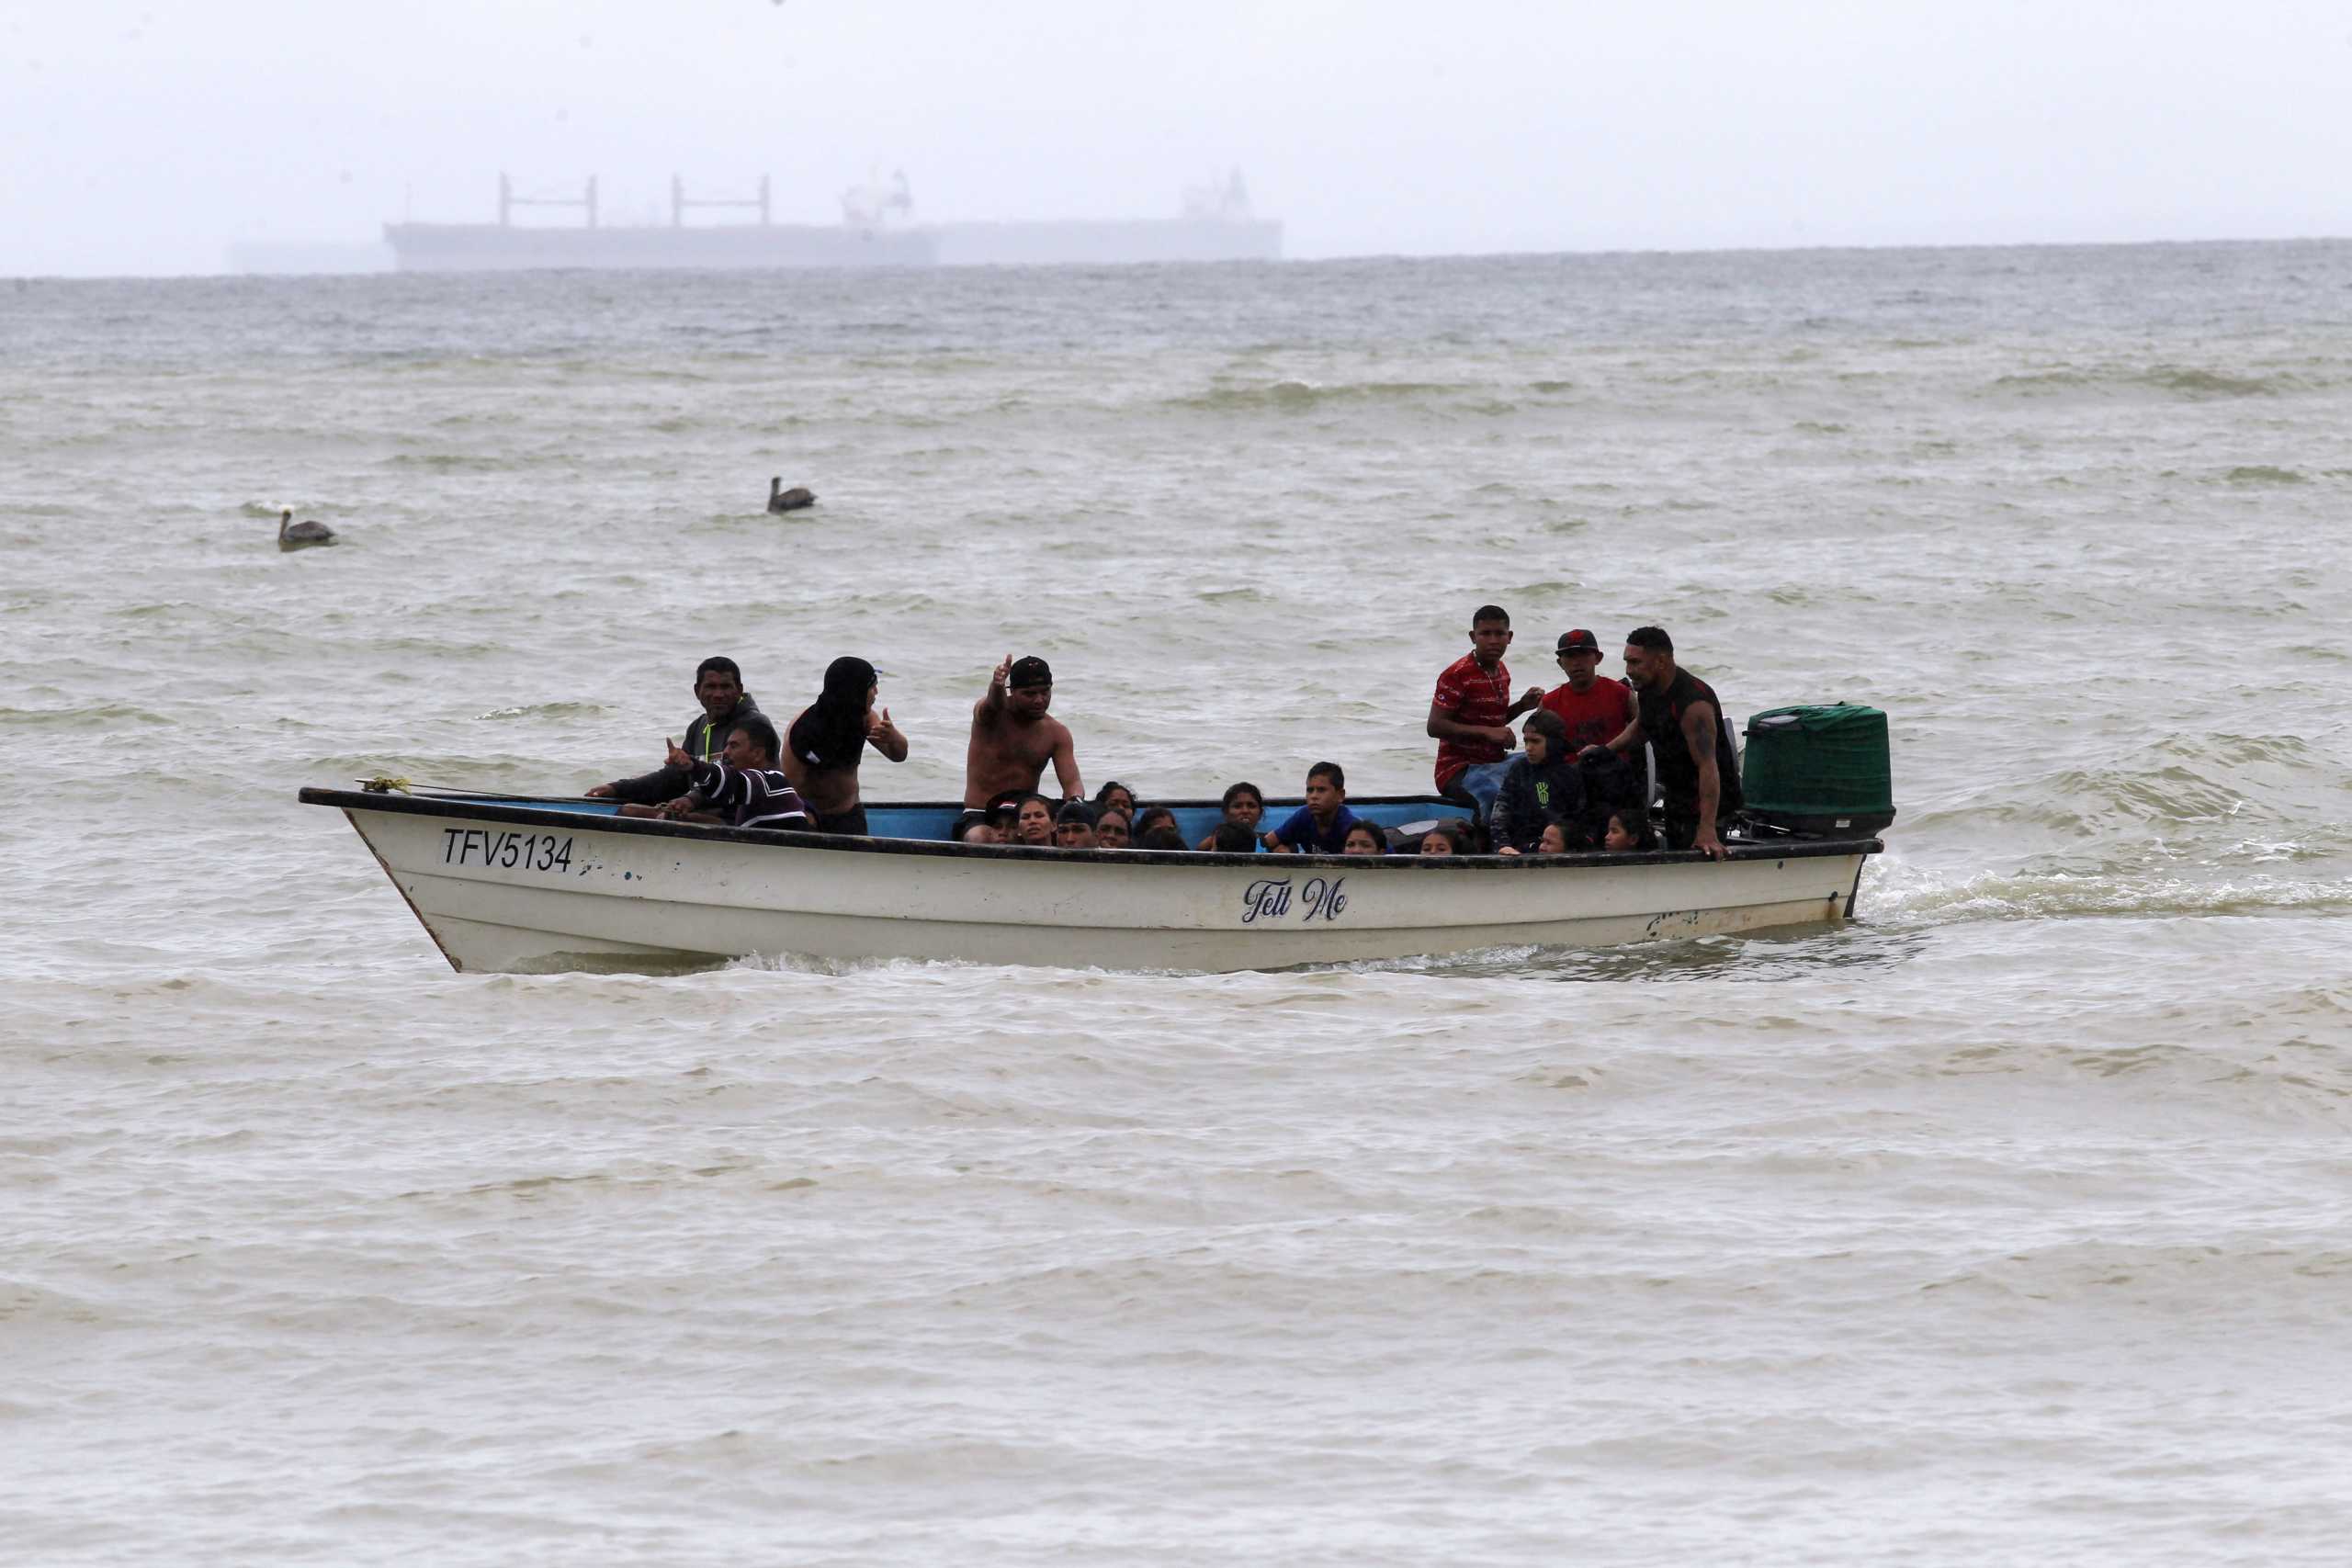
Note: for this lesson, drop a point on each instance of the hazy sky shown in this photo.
(141, 137)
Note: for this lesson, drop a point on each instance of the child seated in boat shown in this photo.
(1629, 829)
(1542, 786)
(1319, 827)
(1555, 840)
(1444, 839)
(1365, 839)
(1233, 838)
(1244, 804)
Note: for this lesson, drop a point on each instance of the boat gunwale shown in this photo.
(474, 808)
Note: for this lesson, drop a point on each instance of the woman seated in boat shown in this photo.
(1245, 804)
(1033, 822)
(1114, 795)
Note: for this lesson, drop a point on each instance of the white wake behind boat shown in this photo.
(511, 885)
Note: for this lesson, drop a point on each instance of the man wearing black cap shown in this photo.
(1013, 739)
(1074, 825)
(1593, 708)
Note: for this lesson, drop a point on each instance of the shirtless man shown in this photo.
(1012, 738)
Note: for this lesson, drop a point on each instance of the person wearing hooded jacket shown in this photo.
(718, 687)
(1540, 786)
(824, 746)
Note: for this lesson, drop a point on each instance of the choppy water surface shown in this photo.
(2009, 1225)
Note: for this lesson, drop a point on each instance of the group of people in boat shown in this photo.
(1567, 780)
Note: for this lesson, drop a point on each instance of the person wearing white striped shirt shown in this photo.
(743, 785)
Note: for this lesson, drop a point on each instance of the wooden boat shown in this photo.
(515, 884)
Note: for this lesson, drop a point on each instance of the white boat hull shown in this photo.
(509, 890)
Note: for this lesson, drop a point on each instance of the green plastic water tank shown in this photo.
(1820, 770)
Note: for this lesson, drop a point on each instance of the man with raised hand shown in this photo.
(743, 784)
(1014, 739)
(1698, 769)
(718, 687)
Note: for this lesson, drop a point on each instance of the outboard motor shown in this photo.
(1822, 771)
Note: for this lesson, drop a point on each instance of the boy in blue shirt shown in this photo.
(1319, 827)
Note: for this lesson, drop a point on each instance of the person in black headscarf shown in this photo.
(822, 748)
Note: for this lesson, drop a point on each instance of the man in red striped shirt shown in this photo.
(1470, 715)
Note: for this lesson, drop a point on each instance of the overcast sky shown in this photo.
(141, 137)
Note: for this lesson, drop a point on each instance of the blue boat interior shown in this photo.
(1195, 819)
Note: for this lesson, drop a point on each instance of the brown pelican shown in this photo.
(293, 535)
(793, 500)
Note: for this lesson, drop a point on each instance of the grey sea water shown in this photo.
(2006, 1225)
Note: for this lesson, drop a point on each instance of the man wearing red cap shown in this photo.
(1594, 707)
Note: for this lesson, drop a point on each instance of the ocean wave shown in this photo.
(1296, 395)
(2187, 785)
(455, 462)
(2263, 474)
(80, 718)
(28, 1305)
(2182, 381)
(2209, 383)
(551, 710)
(1908, 895)
(2143, 1273)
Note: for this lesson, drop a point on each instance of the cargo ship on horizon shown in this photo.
(876, 229)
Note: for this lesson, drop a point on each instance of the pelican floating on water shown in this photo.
(793, 500)
(293, 535)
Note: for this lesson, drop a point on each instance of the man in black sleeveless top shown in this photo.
(1683, 722)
